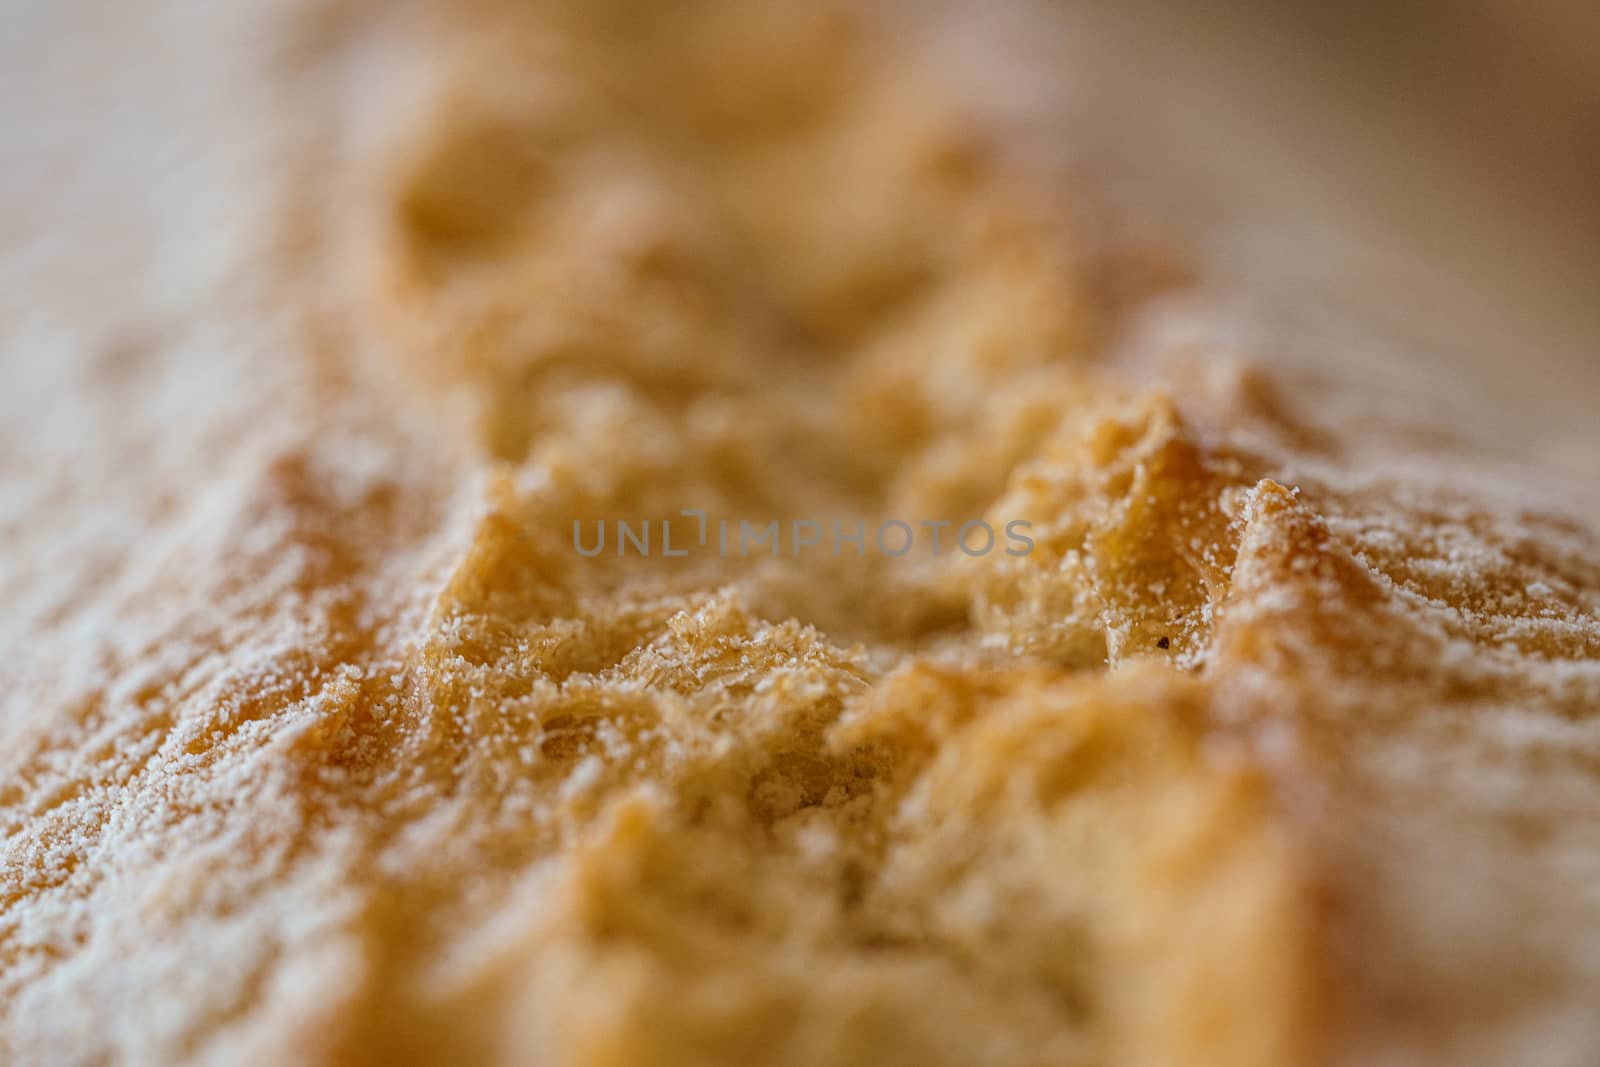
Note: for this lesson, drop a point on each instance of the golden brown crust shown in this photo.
(351, 757)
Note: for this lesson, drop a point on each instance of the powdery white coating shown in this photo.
(318, 744)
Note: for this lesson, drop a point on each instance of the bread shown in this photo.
(326, 741)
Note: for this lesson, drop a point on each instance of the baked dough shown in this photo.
(321, 744)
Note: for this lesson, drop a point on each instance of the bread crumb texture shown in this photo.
(320, 743)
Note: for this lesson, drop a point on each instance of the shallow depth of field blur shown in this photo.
(1433, 165)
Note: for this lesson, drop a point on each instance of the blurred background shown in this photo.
(1431, 167)
(1429, 170)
